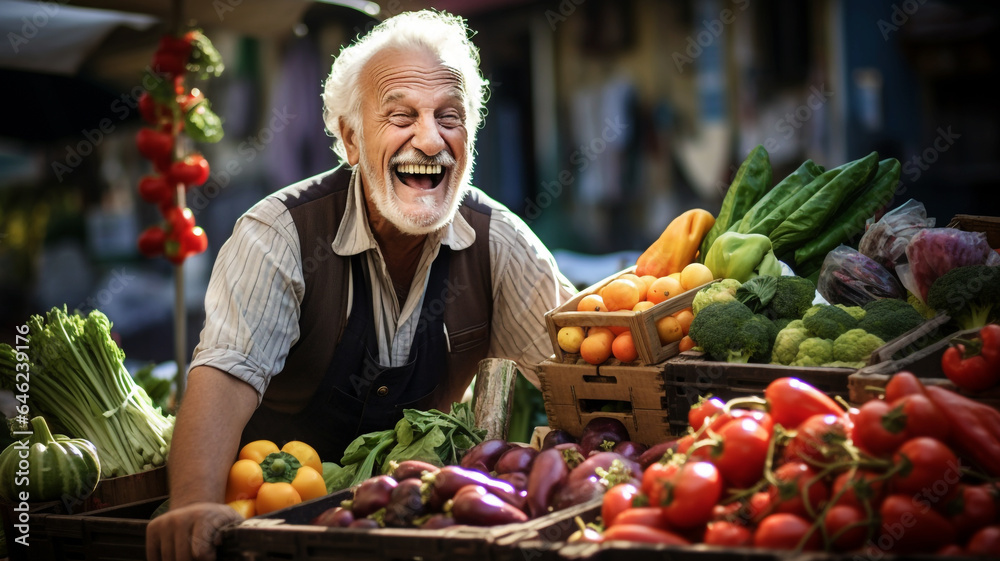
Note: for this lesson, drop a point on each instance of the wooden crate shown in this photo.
(642, 324)
(868, 382)
(989, 225)
(577, 392)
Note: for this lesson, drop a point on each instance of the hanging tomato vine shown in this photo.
(175, 110)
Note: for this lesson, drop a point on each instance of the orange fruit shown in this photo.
(642, 305)
(638, 282)
(569, 338)
(695, 274)
(684, 317)
(618, 329)
(686, 344)
(663, 289)
(648, 279)
(601, 331)
(621, 294)
(669, 330)
(623, 347)
(591, 303)
(596, 349)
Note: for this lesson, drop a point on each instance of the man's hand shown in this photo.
(189, 532)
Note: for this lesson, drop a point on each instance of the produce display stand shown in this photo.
(288, 534)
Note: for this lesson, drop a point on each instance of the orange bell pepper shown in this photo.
(677, 246)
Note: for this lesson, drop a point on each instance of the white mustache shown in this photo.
(443, 159)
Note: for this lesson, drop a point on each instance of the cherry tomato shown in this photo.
(179, 219)
(653, 478)
(846, 527)
(972, 508)
(644, 516)
(741, 452)
(704, 410)
(688, 497)
(153, 144)
(727, 534)
(617, 500)
(684, 443)
(152, 241)
(985, 542)
(762, 417)
(877, 430)
(155, 189)
(786, 531)
(859, 487)
(797, 480)
(643, 534)
(192, 171)
(792, 401)
(151, 111)
(819, 438)
(928, 465)
(902, 383)
(911, 527)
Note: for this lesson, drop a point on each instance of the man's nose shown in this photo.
(427, 138)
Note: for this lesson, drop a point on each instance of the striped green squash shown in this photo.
(48, 467)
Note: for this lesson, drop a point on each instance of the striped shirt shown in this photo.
(256, 288)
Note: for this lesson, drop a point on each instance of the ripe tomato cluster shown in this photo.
(166, 109)
(795, 471)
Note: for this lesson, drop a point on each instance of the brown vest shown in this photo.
(317, 207)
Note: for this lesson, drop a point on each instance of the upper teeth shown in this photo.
(413, 168)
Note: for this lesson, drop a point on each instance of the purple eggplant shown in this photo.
(336, 517)
(412, 469)
(475, 505)
(373, 493)
(630, 449)
(438, 521)
(518, 479)
(448, 480)
(517, 459)
(405, 504)
(366, 523)
(578, 492)
(548, 473)
(655, 453)
(601, 434)
(604, 461)
(484, 456)
(556, 436)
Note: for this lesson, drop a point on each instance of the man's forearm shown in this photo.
(215, 408)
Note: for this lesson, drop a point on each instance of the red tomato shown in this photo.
(972, 508)
(617, 500)
(653, 478)
(651, 516)
(155, 189)
(819, 438)
(704, 410)
(786, 531)
(153, 144)
(846, 527)
(877, 430)
(193, 241)
(153, 112)
(922, 417)
(859, 487)
(727, 534)
(762, 418)
(192, 171)
(151, 241)
(909, 526)
(741, 452)
(928, 466)
(985, 542)
(902, 383)
(795, 481)
(689, 496)
(792, 401)
(179, 219)
(642, 534)
(684, 443)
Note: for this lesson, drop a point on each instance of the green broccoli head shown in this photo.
(855, 345)
(888, 318)
(969, 294)
(814, 351)
(792, 297)
(728, 331)
(828, 321)
(857, 312)
(721, 291)
(786, 344)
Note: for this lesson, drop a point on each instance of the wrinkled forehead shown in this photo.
(392, 74)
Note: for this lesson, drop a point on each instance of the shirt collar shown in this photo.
(355, 236)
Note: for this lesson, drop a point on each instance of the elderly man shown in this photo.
(378, 286)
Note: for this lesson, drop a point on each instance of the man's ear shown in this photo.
(350, 140)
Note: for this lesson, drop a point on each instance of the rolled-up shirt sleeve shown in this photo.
(253, 297)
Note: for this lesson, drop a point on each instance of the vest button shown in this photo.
(383, 391)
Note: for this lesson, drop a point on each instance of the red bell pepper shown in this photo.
(967, 361)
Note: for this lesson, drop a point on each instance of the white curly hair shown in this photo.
(445, 35)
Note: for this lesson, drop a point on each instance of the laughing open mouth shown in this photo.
(420, 176)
